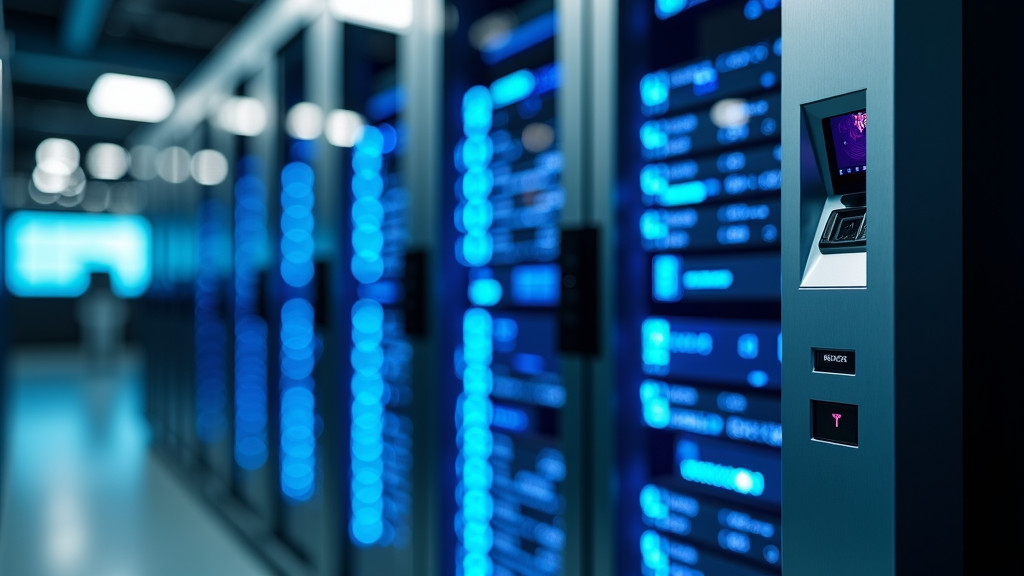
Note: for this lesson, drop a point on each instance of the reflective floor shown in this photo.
(83, 495)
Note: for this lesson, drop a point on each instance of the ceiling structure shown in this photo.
(57, 48)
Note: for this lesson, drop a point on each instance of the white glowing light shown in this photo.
(58, 156)
(130, 98)
(242, 116)
(209, 167)
(730, 113)
(106, 161)
(344, 128)
(48, 182)
(393, 15)
(305, 121)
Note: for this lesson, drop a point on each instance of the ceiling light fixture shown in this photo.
(392, 15)
(130, 98)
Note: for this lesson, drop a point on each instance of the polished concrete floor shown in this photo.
(82, 494)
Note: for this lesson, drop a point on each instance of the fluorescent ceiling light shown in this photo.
(394, 15)
(130, 98)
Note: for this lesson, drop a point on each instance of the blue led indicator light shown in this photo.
(707, 279)
(485, 292)
(655, 341)
(665, 281)
(512, 88)
(654, 88)
(693, 192)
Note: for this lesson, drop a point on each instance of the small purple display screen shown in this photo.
(846, 140)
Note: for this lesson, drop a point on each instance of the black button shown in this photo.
(834, 422)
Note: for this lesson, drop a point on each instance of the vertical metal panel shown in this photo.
(850, 510)
(420, 72)
(571, 104)
(323, 86)
(602, 47)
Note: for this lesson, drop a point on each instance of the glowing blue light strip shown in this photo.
(298, 337)
(210, 328)
(475, 442)
(51, 254)
(250, 328)
(368, 387)
(475, 246)
(734, 478)
(474, 411)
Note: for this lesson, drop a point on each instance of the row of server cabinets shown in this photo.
(525, 320)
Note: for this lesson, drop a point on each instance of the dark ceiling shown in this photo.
(57, 48)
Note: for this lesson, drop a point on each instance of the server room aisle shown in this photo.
(83, 494)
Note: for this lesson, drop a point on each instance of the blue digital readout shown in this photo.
(741, 353)
(722, 278)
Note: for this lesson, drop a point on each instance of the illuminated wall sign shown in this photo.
(701, 159)
(51, 254)
(510, 469)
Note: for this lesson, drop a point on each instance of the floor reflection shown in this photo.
(83, 495)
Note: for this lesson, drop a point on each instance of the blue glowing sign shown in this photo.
(52, 254)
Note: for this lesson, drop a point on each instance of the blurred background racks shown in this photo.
(427, 287)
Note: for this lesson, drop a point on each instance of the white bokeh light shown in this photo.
(209, 167)
(130, 98)
(305, 121)
(106, 161)
(58, 156)
(393, 15)
(242, 116)
(730, 113)
(344, 128)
